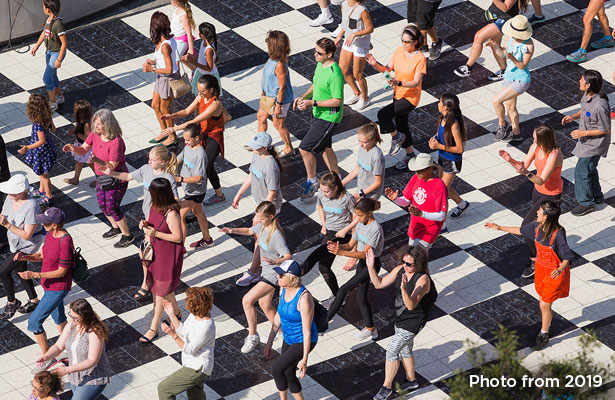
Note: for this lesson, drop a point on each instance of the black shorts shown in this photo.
(450, 167)
(197, 199)
(318, 137)
(423, 13)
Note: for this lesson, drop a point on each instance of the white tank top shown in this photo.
(177, 28)
(160, 57)
(203, 60)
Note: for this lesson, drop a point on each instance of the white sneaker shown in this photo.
(353, 100)
(247, 279)
(327, 303)
(337, 31)
(361, 104)
(396, 143)
(250, 343)
(365, 334)
(321, 20)
(53, 106)
(60, 100)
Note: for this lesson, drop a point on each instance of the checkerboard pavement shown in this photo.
(477, 271)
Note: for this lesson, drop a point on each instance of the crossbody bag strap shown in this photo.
(164, 218)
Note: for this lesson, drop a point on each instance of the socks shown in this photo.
(544, 332)
(582, 50)
(312, 180)
(325, 11)
(463, 204)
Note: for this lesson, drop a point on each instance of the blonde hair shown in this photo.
(370, 131)
(268, 209)
(184, 4)
(162, 152)
(293, 280)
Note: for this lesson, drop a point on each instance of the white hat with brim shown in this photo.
(518, 28)
(421, 161)
(18, 183)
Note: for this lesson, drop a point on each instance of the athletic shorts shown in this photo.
(356, 51)
(423, 13)
(519, 86)
(197, 199)
(318, 137)
(450, 167)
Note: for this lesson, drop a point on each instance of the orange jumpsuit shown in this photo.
(549, 289)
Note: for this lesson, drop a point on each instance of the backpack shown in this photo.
(80, 270)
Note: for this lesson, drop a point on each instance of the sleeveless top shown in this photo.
(212, 127)
(203, 60)
(352, 22)
(177, 28)
(410, 320)
(77, 348)
(160, 57)
(290, 319)
(554, 185)
(496, 13)
(512, 73)
(270, 85)
(445, 154)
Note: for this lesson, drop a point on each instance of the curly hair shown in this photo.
(90, 321)
(38, 110)
(199, 301)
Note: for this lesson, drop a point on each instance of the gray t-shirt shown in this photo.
(595, 114)
(371, 234)
(371, 163)
(265, 177)
(338, 212)
(276, 248)
(194, 163)
(146, 175)
(24, 215)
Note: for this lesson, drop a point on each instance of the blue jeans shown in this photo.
(586, 183)
(86, 392)
(50, 77)
(52, 304)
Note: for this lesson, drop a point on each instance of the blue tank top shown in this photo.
(512, 73)
(270, 85)
(445, 154)
(291, 319)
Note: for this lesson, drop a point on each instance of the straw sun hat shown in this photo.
(518, 27)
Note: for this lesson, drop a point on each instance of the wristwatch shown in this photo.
(398, 83)
(315, 103)
(181, 179)
(529, 175)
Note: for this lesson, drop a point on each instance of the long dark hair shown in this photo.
(83, 115)
(210, 82)
(274, 153)
(208, 31)
(419, 255)
(53, 6)
(163, 199)
(545, 138)
(159, 27)
(594, 79)
(451, 102)
(552, 211)
(89, 319)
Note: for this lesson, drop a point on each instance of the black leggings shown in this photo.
(394, 117)
(284, 369)
(212, 149)
(9, 266)
(360, 279)
(325, 259)
(537, 200)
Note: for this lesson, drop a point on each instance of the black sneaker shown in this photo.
(27, 308)
(457, 211)
(435, 50)
(384, 393)
(125, 241)
(500, 133)
(463, 71)
(529, 271)
(516, 138)
(10, 310)
(496, 76)
(580, 209)
(409, 385)
(541, 340)
(534, 20)
(111, 233)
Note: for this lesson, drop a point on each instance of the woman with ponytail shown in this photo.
(370, 164)
(449, 141)
(182, 25)
(205, 62)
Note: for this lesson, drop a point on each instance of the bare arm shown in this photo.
(173, 222)
(420, 289)
(515, 230)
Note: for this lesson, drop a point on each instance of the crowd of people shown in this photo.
(33, 229)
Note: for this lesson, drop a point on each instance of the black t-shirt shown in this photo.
(559, 244)
(411, 320)
(494, 13)
(5, 173)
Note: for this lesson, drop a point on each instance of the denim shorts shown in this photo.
(519, 86)
(52, 303)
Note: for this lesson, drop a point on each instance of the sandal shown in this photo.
(288, 154)
(144, 340)
(141, 293)
(71, 181)
(173, 143)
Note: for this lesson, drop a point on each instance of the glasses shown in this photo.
(34, 388)
(407, 264)
(320, 53)
(407, 41)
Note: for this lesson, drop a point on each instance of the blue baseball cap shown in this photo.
(52, 215)
(262, 139)
(289, 267)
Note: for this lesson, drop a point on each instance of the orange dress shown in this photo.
(549, 289)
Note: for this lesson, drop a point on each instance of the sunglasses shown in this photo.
(407, 264)
(319, 53)
(407, 41)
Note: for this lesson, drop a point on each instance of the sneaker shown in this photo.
(27, 308)
(425, 49)
(409, 385)
(463, 71)
(384, 393)
(534, 19)
(202, 243)
(53, 106)
(10, 310)
(435, 50)
(214, 199)
(577, 57)
(529, 271)
(247, 279)
(500, 133)
(250, 343)
(336, 32)
(309, 190)
(509, 135)
(366, 334)
(353, 100)
(580, 209)
(44, 366)
(321, 20)
(541, 340)
(327, 303)
(444, 230)
(396, 143)
(111, 233)
(496, 76)
(457, 211)
(606, 41)
(125, 241)
(403, 164)
(60, 100)
(361, 104)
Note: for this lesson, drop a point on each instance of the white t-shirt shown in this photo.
(199, 339)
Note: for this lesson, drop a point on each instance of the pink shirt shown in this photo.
(114, 150)
(430, 196)
(58, 253)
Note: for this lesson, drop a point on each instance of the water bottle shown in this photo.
(388, 77)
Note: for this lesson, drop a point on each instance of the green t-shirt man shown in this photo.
(328, 84)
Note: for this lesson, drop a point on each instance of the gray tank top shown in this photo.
(352, 22)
